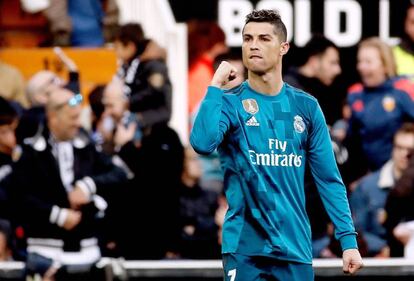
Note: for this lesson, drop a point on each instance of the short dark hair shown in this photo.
(272, 17)
(317, 45)
(406, 128)
(95, 101)
(409, 6)
(131, 32)
(202, 36)
(7, 112)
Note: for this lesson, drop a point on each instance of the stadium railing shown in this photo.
(326, 269)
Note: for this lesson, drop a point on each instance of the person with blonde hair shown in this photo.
(380, 103)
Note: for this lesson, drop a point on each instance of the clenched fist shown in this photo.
(223, 75)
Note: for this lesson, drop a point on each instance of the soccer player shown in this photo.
(265, 130)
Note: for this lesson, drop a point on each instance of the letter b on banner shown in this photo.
(231, 19)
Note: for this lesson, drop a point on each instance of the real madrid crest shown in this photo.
(388, 103)
(298, 124)
(250, 106)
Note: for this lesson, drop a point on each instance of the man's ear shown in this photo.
(284, 48)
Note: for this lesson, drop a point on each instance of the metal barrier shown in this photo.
(326, 269)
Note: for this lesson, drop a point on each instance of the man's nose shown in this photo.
(253, 45)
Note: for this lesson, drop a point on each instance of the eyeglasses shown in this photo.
(75, 100)
(72, 102)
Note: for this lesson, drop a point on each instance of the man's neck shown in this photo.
(55, 138)
(269, 83)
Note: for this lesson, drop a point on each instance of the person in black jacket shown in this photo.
(400, 213)
(154, 162)
(145, 75)
(8, 154)
(59, 177)
(317, 74)
(199, 232)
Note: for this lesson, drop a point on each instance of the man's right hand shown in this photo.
(223, 75)
(72, 220)
(352, 261)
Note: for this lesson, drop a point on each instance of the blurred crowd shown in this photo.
(123, 184)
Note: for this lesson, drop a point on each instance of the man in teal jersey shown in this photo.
(265, 130)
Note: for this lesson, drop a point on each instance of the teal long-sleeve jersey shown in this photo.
(264, 142)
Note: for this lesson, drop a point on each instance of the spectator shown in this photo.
(37, 91)
(400, 214)
(9, 153)
(155, 165)
(12, 84)
(367, 201)
(197, 213)
(116, 112)
(8, 123)
(404, 51)
(317, 74)
(8, 149)
(81, 23)
(59, 176)
(86, 17)
(206, 41)
(145, 76)
(60, 23)
(380, 104)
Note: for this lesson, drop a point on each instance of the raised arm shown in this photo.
(213, 118)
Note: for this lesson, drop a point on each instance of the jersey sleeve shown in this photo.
(329, 182)
(212, 122)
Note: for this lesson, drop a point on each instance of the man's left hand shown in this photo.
(352, 261)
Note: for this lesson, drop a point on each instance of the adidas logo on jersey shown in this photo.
(252, 122)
